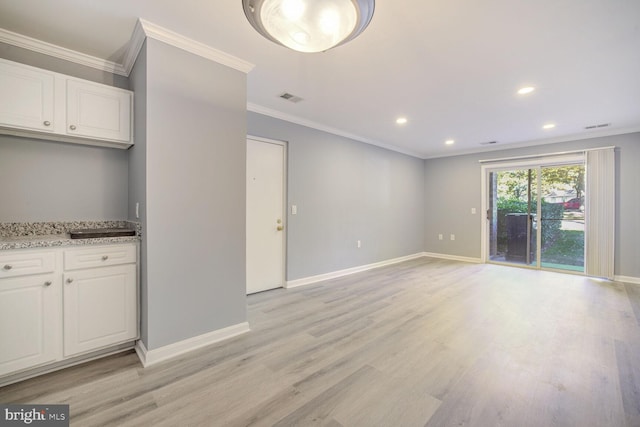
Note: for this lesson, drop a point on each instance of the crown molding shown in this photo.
(133, 49)
(591, 134)
(25, 42)
(318, 126)
(142, 30)
(174, 39)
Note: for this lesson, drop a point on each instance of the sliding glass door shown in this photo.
(535, 216)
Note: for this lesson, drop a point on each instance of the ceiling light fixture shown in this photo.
(401, 120)
(526, 90)
(548, 126)
(449, 142)
(309, 25)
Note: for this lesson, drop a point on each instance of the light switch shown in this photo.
(294, 209)
(473, 211)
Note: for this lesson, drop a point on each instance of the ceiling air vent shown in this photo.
(488, 142)
(602, 125)
(290, 97)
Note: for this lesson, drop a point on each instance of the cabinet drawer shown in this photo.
(99, 256)
(24, 263)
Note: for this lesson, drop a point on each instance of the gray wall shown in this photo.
(345, 191)
(53, 181)
(138, 176)
(452, 188)
(195, 194)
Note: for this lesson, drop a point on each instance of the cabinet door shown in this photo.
(26, 97)
(100, 308)
(98, 111)
(29, 322)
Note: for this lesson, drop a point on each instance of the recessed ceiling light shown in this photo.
(401, 120)
(548, 126)
(449, 142)
(525, 90)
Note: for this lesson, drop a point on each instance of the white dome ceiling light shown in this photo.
(309, 25)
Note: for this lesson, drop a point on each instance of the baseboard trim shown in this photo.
(63, 364)
(152, 357)
(627, 279)
(340, 273)
(453, 257)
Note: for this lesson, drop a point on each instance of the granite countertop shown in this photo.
(25, 235)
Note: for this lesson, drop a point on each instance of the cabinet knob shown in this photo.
(7, 267)
(69, 280)
(47, 283)
(72, 127)
(105, 257)
(47, 123)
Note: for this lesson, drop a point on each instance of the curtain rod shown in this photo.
(535, 156)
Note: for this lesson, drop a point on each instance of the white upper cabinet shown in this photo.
(26, 97)
(98, 111)
(42, 104)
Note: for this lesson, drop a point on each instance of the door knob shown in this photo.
(280, 228)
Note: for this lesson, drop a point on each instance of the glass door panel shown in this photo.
(563, 221)
(513, 216)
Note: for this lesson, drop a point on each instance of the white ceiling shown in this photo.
(452, 67)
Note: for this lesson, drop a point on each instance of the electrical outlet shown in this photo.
(440, 237)
(453, 237)
(473, 211)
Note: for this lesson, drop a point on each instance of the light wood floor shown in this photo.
(426, 342)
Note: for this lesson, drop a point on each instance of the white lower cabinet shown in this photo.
(29, 322)
(65, 302)
(100, 308)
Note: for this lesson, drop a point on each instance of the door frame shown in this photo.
(285, 199)
(532, 162)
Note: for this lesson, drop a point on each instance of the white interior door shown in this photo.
(265, 214)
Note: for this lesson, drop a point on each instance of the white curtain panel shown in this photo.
(600, 212)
